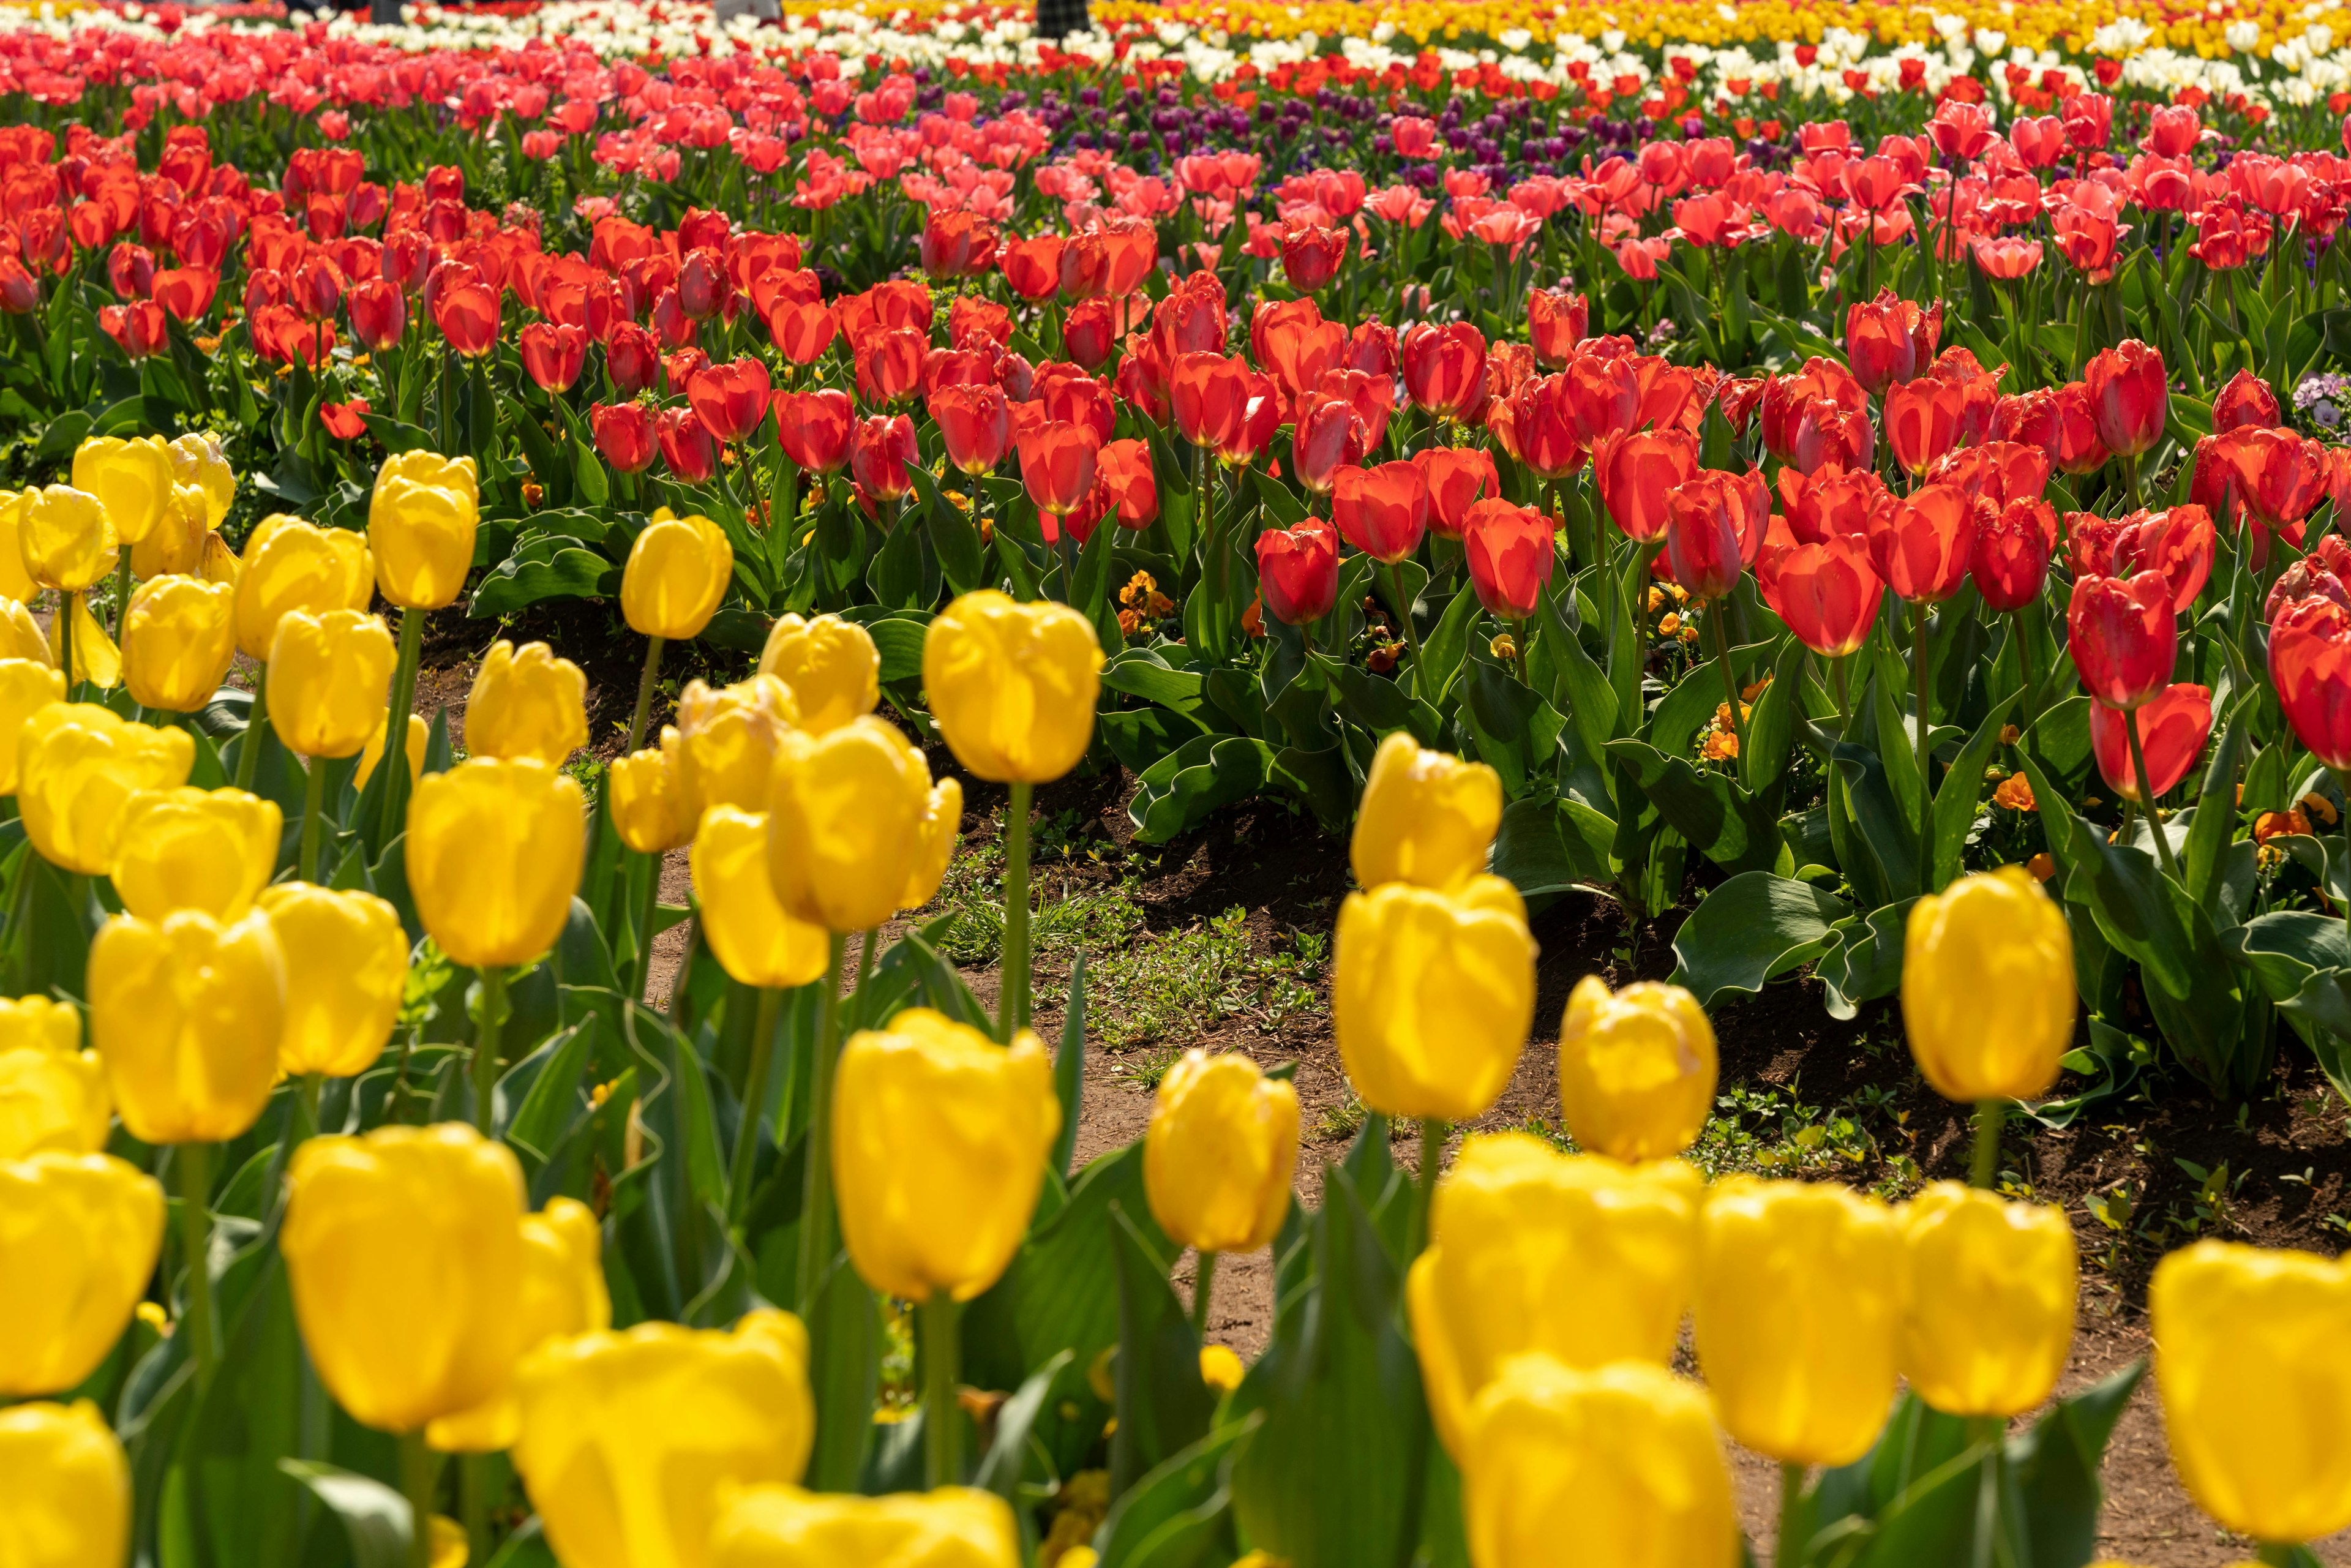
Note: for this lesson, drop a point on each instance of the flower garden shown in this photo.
(860, 791)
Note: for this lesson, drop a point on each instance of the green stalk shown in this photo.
(2146, 795)
(644, 694)
(474, 1505)
(395, 718)
(1013, 1013)
(1984, 1170)
(1924, 661)
(121, 592)
(195, 1162)
(1721, 638)
(647, 909)
(314, 806)
(248, 747)
(2278, 1552)
(1789, 1552)
(942, 1419)
(816, 1184)
(306, 1106)
(64, 640)
(1204, 1285)
(1411, 631)
(416, 1481)
(486, 1048)
(755, 1097)
(1434, 1131)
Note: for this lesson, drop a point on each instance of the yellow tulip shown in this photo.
(21, 636)
(330, 680)
(1990, 1293)
(1427, 817)
(1798, 1307)
(420, 734)
(197, 460)
(1012, 686)
(1220, 1151)
(292, 565)
(939, 1139)
(346, 969)
(1637, 1069)
(65, 1488)
(856, 830)
(16, 583)
(78, 1245)
(727, 737)
(1620, 1465)
(1578, 1256)
(1434, 993)
(493, 856)
(647, 802)
(177, 544)
(784, 1527)
(562, 1294)
(421, 524)
(1988, 988)
(25, 688)
(404, 1251)
(78, 766)
(66, 538)
(2254, 1367)
(527, 703)
(630, 1441)
(211, 850)
(52, 1091)
(96, 660)
(756, 943)
(178, 638)
(131, 478)
(186, 1014)
(831, 666)
(678, 573)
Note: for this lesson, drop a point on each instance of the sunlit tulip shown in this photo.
(1218, 1153)
(815, 428)
(1433, 995)
(66, 538)
(1990, 1314)
(1012, 686)
(178, 638)
(831, 666)
(678, 571)
(292, 565)
(1637, 1070)
(403, 1250)
(183, 543)
(528, 704)
(755, 942)
(1798, 1307)
(1510, 551)
(131, 477)
(96, 660)
(21, 636)
(1889, 339)
(25, 688)
(65, 1488)
(647, 802)
(494, 852)
(77, 1250)
(421, 524)
(329, 678)
(1444, 366)
(1382, 511)
(185, 1012)
(630, 1441)
(1298, 571)
(2310, 664)
(562, 1294)
(53, 1096)
(197, 460)
(975, 425)
(346, 972)
(2172, 730)
(1632, 474)
(78, 766)
(2246, 401)
(856, 830)
(420, 734)
(954, 1527)
(212, 850)
(2128, 396)
(727, 739)
(1923, 543)
(1988, 988)
(15, 583)
(1426, 816)
(939, 1138)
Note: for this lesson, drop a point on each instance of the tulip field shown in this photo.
(1346, 785)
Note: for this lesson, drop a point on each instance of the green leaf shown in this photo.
(1142, 672)
(1963, 788)
(548, 565)
(1000, 1470)
(588, 476)
(1751, 929)
(1447, 645)
(2056, 1464)
(1163, 1406)
(1183, 789)
(1772, 722)
(377, 1518)
(547, 1105)
(1070, 1066)
(2215, 823)
(844, 1370)
(1172, 1517)
(1736, 830)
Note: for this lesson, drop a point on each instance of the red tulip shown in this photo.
(1261, 409)
(2171, 728)
(379, 313)
(552, 356)
(1207, 393)
(20, 291)
(2011, 559)
(1372, 349)
(1326, 435)
(467, 316)
(1371, 394)
(733, 398)
(1298, 571)
(139, 331)
(2060, 420)
(1922, 421)
(1923, 543)
(2281, 476)
(890, 365)
(2245, 401)
(1510, 554)
(1080, 400)
(1382, 511)
(1826, 435)
(631, 359)
(624, 434)
(802, 329)
(1828, 592)
(1997, 471)
(1310, 256)
(957, 245)
(1787, 399)
(1890, 340)
(976, 423)
(2005, 258)
(1085, 266)
(1191, 319)
(1057, 467)
(814, 429)
(1444, 366)
(1457, 476)
(1828, 502)
(345, 421)
(1601, 397)
(1702, 542)
(881, 450)
(2128, 397)
(1032, 266)
(2177, 543)
(1295, 345)
(2124, 637)
(680, 368)
(703, 286)
(130, 271)
(1125, 484)
(2310, 664)
(1533, 427)
(686, 444)
(1556, 322)
(1090, 330)
(1633, 473)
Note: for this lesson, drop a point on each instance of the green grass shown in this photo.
(1766, 1129)
(1170, 988)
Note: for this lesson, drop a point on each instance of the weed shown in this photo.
(1174, 985)
(1149, 1069)
(1764, 1129)
(1341, 1122)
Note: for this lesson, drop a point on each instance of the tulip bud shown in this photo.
(21, 636)
(756, 943)
(292, 565)
(562, 1294)
(647, 803)
(1991, 1289)
(1799, 1305)
(52, 1093)
(939, 1139)
(494, 855)
(628, 1440)
(831, 666)
(330, 679)
(186, 1013)
(529, 704)
(727, 739)
(132, 479)
(856, 830)
(420, 734)
(178, 638)
(1531, 1250)
(2255, 1373)
(1988, 990)
(421, 524)
(346, 970)
(25, 688)
(197, 460)
(1637, 1070)
(78, 766)
(1427, 818)
(80, 1243)
(211, 850)
(1012, 686)
(1217, 1156)
(65, 1486)
(1621, 1465)
(404, 1252)
(67, 540)
(952, 1527)
(678, 570)
(1434, 993)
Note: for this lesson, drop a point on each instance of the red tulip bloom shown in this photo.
(686, 444)
(1298, 571)
(624, 434)
(1828, 502)
(1827, 435)
(1458, 476)
(1057, 467)
(1326, 435)
(138, 328)
(379, 313)
(2310, 664)
(1556, 322)
(130, 271)
(345, 421)
(1787, 401)
(814, 429)
(2072, 427)
(185, 293)
(631, 359)
(1702, 543)
(1533, 427)
(1890, 340)
(1633, 473)
(881, 449)
(2245, 401)
(976, 423)
(2128, 397)
(2177, 543)
(467, 316)
(1262, 414)
(552, 356)
(733, 398)
(1310, 256)
(1208, 394)
(802, 329)
(2124, 636)
(1295, 345)
(1191, 319)
(703, 286)
(1382, 511)
(1922, 421)
(1828, 592)
(1372, 349)
(1085, 266)
(1997, 471)
(1372, 395)
(2006, 259)
(1125, 484)
(1510, 554)
(1032, 266)
(1923, 544)
(1601, 397)
(2281, 476)
(1080, 400)
(2011, 559)
(2172, 729)
(1444, 366)
(957, 245)
(1090, 330)
(890, 365)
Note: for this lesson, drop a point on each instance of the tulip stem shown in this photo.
(1203, 1286)
(1721, 639)
(1991, 1116)
(314, 806)
(942, 1418)
(1411, 631)
(474, 1505)
(306, 1105)
(121, 592)
(644, 694)
(395, 718)
(486, 1048)
(648, 909)
(64, 640)
(1788, 1552)
(1433, 1134)
(816, 1182)
(195, 1162)
(1924, 663)
(1012, 1012)
(248, 745)
(416, 1481)
(755, 1103)
(2146, 795)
